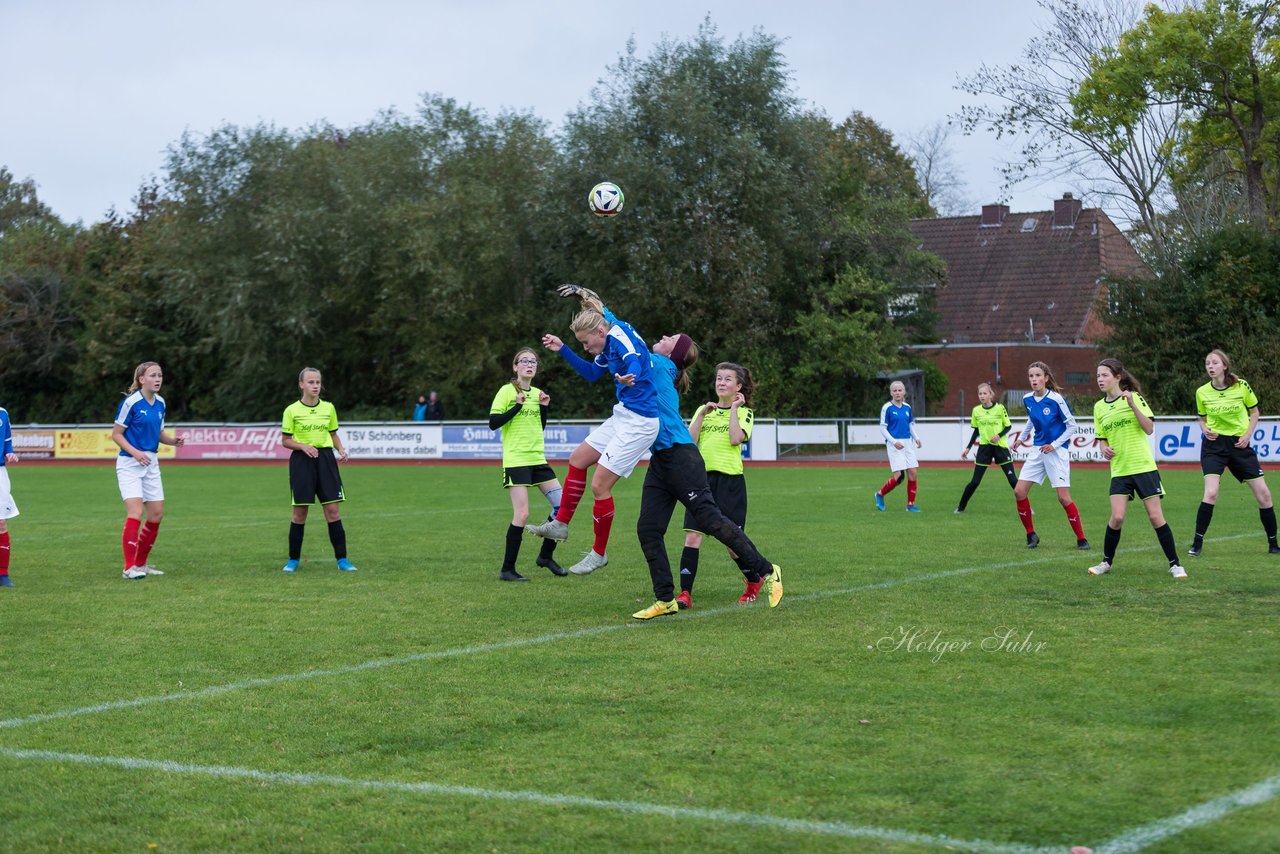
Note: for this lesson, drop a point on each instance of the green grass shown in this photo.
(1134, 698)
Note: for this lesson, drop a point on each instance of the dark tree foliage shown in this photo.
(1224, 293)
(419, 252)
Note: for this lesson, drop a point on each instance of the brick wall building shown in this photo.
(1020, 288)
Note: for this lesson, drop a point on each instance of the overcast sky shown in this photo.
(92, 93)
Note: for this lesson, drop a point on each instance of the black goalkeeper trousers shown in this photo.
(678, 475)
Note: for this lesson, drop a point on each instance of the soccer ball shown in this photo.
(605, 199)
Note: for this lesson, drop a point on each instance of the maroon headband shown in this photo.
(681, 349)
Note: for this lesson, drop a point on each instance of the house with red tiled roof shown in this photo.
(1020, 288)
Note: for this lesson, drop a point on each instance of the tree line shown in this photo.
(420, 251)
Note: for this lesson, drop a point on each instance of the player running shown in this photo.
(8, 508)
(990, 421)
(1053, 424)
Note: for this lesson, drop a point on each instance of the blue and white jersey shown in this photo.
(897, 424)
(671, 427)
(6, 434)
(142, 422)
(1050, 417)
(624, 353)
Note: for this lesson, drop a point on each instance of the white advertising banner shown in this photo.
(392, 442)
(1174, 440)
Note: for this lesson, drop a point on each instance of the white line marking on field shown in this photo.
(1206, 813)
(792, 825)
(265, 681)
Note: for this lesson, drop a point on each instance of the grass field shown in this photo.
(927, 683)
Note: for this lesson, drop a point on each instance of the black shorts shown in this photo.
(317, 479)
(730, 493)
(988, 454)
(1146, 484)
(1221, 454)
(527, 475)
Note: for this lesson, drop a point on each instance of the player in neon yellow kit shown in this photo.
(1123, 423)
(310, 428)
(722, 428)
(990, 422)
(519, 410)
(1228, 411)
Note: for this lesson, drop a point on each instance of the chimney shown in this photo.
(1065, 211)
(993, 215)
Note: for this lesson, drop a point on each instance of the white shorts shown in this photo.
(139, 481)
(1055, 466)
(901, 459)
(623, 439)
(8, 509)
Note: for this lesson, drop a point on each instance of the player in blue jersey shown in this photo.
(897, 425)
(1051, 425)
(677, 473)
(8, 509)
(139, 431)
(621, 441)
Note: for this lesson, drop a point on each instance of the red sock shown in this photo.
(1024, 515)
(888, 486)
(146, 539)
(129, 541)
(911, 492)
(4, 553)
(1073, 516)
(602, 514)
(575, 483)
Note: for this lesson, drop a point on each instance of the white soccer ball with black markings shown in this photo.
(605, 199)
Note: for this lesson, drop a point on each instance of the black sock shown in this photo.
(1268, 516)
(338, 537)
(1110, 543)
(514, 533)
(1165, 536)
(548, 548)
(1203, 517)
(688, 567)
(295, 540)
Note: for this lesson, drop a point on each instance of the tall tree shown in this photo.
(1125, 166)
(1220, 66)
(937, 172)
(731, 231)
(1224, 292)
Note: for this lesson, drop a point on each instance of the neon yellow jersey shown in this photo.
(989, 421)
(1226, 410)
(310, 425)
(1114, 421)
(719, 453)
(522, 442)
